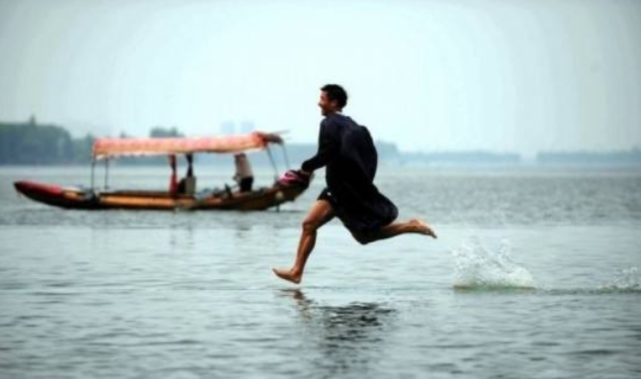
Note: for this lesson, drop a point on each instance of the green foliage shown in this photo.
(29, 143)
(160, 132)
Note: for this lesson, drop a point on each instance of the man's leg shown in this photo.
(394, 229)
(320, 213)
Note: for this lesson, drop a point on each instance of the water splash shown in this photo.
(479, 268)
(628, 279)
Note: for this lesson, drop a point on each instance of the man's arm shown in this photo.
(327, 147)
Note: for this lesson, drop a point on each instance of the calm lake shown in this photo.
(535, 275)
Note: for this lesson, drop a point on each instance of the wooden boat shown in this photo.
(77, 198)
(226, 199)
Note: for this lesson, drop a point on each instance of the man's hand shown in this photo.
(304, 173)
(297, 177)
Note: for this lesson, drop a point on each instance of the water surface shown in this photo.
(534, 275)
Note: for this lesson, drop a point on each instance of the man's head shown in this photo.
(333, 98)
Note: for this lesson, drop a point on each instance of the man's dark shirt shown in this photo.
(348, 152)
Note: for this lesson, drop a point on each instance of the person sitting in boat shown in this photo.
(173, 179)
(187, 185)
(244, 176)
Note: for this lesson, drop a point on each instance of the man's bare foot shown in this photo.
(422, 227)
(287, 275)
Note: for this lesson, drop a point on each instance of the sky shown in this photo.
(507, 76)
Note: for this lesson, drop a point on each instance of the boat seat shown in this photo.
(190, 185)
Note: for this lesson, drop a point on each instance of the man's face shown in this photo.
(327, 106)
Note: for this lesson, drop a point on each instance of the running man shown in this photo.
(347, 151)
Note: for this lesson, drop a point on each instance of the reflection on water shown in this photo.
(349, 338)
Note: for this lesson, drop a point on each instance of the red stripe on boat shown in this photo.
(34, 187)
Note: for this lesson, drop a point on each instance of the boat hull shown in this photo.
(76, 198)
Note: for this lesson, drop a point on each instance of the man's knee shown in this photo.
(318, 216)
(363, 239)
(310, 225)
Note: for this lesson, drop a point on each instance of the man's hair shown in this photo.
(336, 93)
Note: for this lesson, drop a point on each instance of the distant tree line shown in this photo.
(583, 158)
(462, 158)
(29, 143)
(46, 144)
(26, 143)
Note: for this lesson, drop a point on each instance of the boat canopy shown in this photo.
(106, 148)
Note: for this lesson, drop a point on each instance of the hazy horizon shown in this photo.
(519, 76)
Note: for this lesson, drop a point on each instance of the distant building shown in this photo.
(246, 127)
(227, 128)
